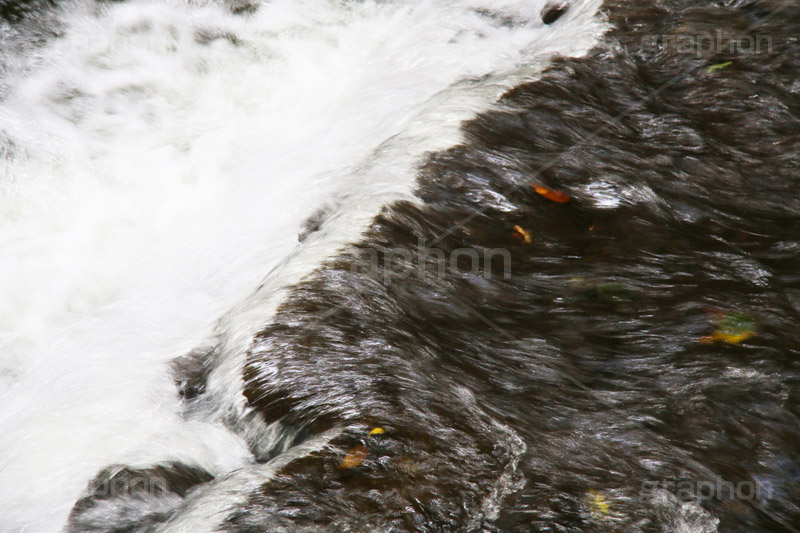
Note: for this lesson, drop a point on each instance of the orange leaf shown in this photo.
(354, 457)
(521, 235)
(550, 194)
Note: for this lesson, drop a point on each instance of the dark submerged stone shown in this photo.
(125, 499)
(553, 12)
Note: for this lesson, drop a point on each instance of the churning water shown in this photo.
(159, 158)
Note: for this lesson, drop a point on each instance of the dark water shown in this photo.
(631, 368)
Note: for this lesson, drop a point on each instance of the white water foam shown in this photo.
(161, 158)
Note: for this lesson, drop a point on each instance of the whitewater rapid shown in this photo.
(160, 158)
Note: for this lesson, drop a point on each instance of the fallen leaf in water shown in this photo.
(719, 336)
(407, 466)
(598, 504)
(521, 235)
(376, 431)
(735, 322)
(550, 194)
(615, 292)
(732, 327)
(718, 66)
(354, 457)
(579, 282)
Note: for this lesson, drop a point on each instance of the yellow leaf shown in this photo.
(521, 235)
(735, 338)
(598, 503)
(376, 431)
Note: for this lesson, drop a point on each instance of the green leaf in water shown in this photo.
(736, 323)
(615, 292)
(718, 66)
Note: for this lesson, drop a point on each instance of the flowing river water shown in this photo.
(477, 265)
